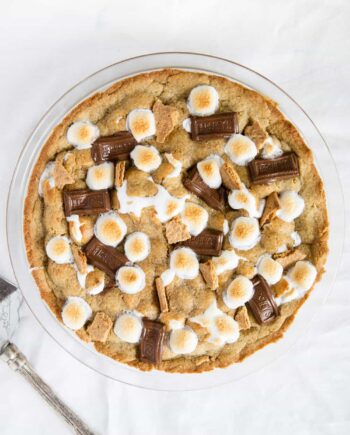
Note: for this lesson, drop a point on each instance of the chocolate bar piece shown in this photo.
(264, 171)
(208, 242)
(262, 304)
(105, 258)
(116, 147)
(85, 201)
(215, 198)
(151, 344)
(214, 126)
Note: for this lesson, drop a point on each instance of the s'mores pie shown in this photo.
(176, 221)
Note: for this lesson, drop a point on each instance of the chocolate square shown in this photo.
(86, 202)
(151, 344)
(214, 126)
(262, 304)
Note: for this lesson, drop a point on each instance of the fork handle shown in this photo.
(19, 363)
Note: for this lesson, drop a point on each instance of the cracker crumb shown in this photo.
(271, 207)
(79, 258)
(166, 118)
(176, 231)
(246, 268)
(163, 303)
(281, 288)
(256, 133)
(289, 258)
(119, 173)
(230, 177)
(242, 317)
(209, 274)
(60, 174)
(162, 172)
(139, 183)
(100, 327)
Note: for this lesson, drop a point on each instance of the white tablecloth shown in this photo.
(304, 46)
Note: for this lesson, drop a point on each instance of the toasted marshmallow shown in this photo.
(167, 206)
(76, 311)
(177, 166)
(289, 296)
(82, 276)
(270, 269)
(47, 174)
(302, 275)
(110, 228)
(296, 239)
(141, 124)
(222, 328)
(292, 206)
(130, 279)
(245, 233)
(137, 246)
(195, 218)
(183, 341)
(184, 262)
(238, 292)
(203, 100)
(176, 323)
(243, 199)
(225, 227)
(58, 250)
(240, 149)
(128, 327)
(167, 277)
(100, 176)
(271, 149)
(186, 125)
(82, 134)
(146, 158)
(228, 260)
(74, 227)
(209, 170)
(97, 288)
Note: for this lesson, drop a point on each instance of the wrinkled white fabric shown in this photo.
(304, 46)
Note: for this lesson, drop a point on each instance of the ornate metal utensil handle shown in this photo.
(18, 362)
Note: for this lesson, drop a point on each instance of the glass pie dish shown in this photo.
(85, 353)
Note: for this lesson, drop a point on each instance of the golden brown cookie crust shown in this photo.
(170, 87)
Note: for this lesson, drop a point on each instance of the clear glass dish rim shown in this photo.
(157, 380)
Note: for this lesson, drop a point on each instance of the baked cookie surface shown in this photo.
(177, 221)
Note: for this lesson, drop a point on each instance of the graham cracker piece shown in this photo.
(176, 231)
(289, 258)
(163, 303)
(209, 274)
(162, 172)
(242, 318)
(230, 177)
(139, 183)
(86, 229)
(246, 268)
(256, 133)
(79, 258)
(166, 118)
(272, 205)
(119, 173)
(281, 288)
(100, 327)
(60, 174)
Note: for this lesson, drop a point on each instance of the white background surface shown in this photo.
(304, 46)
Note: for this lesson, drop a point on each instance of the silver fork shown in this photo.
(10, 301)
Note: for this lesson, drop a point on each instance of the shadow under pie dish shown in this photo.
(177, 221)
